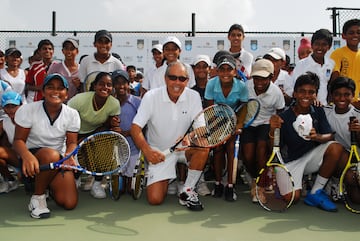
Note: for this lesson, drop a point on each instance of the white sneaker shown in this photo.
(88, 183)
(78, 183)
(202, 189)
(172, 187)
(38, 207)
(97, 190)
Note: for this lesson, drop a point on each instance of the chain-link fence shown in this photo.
(340, 15)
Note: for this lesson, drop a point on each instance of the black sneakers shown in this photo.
(218, 190)
(190, 199)
(230, 194)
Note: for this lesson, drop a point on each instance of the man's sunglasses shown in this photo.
(174, 77)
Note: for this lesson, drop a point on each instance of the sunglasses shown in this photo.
(174, 77)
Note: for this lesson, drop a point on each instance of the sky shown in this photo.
(172, 15)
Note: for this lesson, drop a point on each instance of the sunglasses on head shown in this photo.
(174, 77)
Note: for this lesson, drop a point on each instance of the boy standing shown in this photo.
(317, 63)
(236, 37)
(102, 59)
(347, 58)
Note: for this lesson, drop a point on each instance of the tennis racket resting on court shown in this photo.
(211, 127)
(138, 180)
(101, 154)
(350, 178)
(246, 113)
(274, 184)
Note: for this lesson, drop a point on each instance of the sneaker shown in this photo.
(78, 182)
(218, 190)
(97, 190)
(3, 187)
(190, 199)
(88, 183)
(230, 194)
(203, 189)
(320, 200)
(332, 189)
(12, 185)
(38, 207)
(172, 187)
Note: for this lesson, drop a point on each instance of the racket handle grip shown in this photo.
(47, 167)
(277, 137)
(352, 133)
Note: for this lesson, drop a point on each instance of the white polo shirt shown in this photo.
(43, 133)
(166, 120)
(270, 101)
(89, 64)
(323, 72)
(158, 78)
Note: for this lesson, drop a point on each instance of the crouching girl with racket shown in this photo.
(46, 130)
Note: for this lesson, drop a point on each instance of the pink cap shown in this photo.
(304, 43)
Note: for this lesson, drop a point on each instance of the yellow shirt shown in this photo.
(347, 63)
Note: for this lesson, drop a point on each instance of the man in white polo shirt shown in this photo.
(167, 112)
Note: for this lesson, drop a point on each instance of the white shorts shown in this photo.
(309, 163)
(166, 169)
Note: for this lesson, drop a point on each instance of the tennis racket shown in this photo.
(212, 127)
(246, 113)
(350, 178)
(274, 184)
(116, 186)
(138, 179)
(89, 79)
(101, 154)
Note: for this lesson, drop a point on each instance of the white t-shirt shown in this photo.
(43, 133)
(285, 80)
(166, 120)
(270, 101)
(9, 129)
(17, 83)
(158, 78)
(323, 72)
(89, 64)
(246, 61)
(339, 123)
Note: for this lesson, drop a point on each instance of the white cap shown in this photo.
(202, 58)
(172, 39)
(277, 53)
(158, 47)
(303, 125)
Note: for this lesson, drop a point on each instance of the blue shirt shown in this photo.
(238, 93)
(296, 145)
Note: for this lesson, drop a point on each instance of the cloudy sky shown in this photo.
(173, 15)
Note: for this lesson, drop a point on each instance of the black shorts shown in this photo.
(254, 134)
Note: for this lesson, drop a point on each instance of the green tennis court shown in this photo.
(127, 219)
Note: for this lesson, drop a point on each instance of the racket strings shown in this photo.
(103, 153)
(220, 122)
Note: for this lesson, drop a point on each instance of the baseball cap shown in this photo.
(11, 51)
(221, 53)
(103, 33)
(202, 58)
(157, 47)
(73, 41)
(277, 53)
(10, 97)
(303, 125)
(56, 76)
(262, 68)
(172, 39)
(227, 59)
(120, 73)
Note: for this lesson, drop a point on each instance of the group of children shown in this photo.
(61, 116)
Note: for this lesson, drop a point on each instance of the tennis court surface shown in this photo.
(127, 219)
